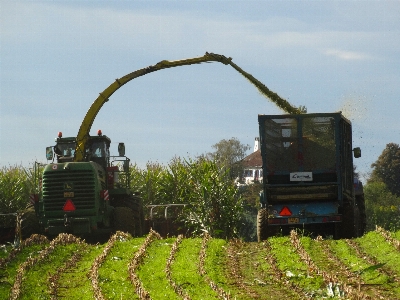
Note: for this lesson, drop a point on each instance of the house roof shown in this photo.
(253, 160)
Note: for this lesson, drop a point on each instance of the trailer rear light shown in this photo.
(277, 221)
(331, 219)
(285, 212)
(69, 205)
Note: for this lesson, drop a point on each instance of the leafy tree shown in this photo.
(227, 154)
(381, 206)
(387, 168)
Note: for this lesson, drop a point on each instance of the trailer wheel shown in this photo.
(350, 225)
(123, 220)
(262, 224)
(360, 201)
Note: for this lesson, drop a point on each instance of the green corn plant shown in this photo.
(16, 184)
(213, 203)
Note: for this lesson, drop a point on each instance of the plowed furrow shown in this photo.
(330, 277)
(371, 260)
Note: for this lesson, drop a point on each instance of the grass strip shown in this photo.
(294, 268)
(388, 237)
(75, 284)
(71, 262)
(177, 288)
(185, 271)
(60, 240)
(94, 270)
(8, 273)
(10, 252)
(35, 284)
(366, 278)
(136, 263)
(113, 275)
(252, 267)
(334, 286)
(348, 256)
(375, 244)
(396, 235)
(152, 271)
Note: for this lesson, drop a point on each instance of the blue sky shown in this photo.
(56, 56)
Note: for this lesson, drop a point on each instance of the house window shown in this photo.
(248, 173)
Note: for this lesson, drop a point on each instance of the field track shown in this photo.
(289, 267)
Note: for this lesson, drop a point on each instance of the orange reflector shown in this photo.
(69, 206)
(285, 212)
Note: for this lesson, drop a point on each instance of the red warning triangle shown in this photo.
(285, 212)
(69, 206)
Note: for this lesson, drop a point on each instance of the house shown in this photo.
(252, 165)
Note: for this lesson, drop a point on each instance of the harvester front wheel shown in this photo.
(262, 224)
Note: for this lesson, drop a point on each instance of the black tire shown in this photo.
(134, 203)
(30, 223)
(349, 227)
(360, 201)
(123, 220)
(262, 224)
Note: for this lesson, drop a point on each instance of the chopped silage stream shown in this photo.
(295, 267)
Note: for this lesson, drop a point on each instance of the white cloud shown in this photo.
(347, 55)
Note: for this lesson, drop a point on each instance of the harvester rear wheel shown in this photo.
(123, 220)
(30, 223)
(262, 224)
(139, 214)
(135, 203)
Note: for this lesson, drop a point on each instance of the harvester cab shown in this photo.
(88, 196)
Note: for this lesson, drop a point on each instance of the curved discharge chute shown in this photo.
(83, 133)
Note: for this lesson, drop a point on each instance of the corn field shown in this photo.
(151, 267)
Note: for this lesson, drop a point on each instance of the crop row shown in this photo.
(294, 266)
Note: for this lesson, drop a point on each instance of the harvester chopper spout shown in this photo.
(83, 133)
